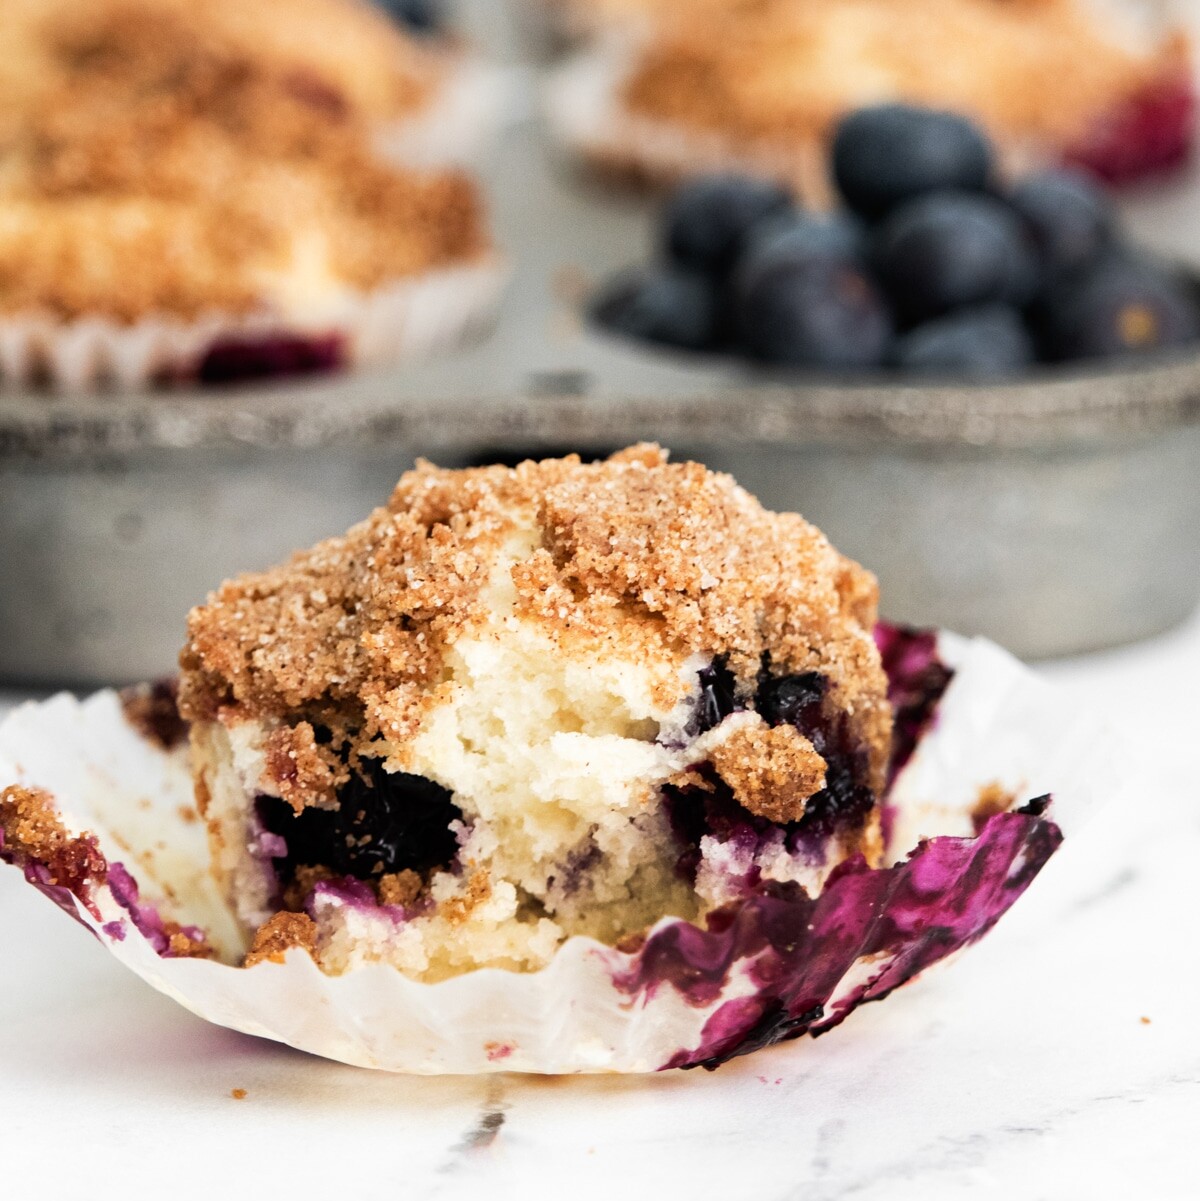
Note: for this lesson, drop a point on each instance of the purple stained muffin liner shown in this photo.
(404, 320)
(772, 967)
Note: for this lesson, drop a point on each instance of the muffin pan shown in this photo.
(1055, 514)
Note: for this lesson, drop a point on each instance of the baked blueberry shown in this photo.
(820, 312)
(977, 343)
(951, 249)
(419, 16)
(668, 305)
(890, 153)
(1117, 306)
(708, 221)
(384, 822)
(1070, 219)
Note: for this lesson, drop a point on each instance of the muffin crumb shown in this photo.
(279, 935)
(772, 770)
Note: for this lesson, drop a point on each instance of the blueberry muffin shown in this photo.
(174, 209)
(760, 84)
(520, 704)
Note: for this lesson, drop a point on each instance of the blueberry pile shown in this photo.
(416, 16)
(933, 266)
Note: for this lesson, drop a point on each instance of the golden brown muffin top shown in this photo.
(1043, 69)
(170, 175)
(635, 557)
(347, 51)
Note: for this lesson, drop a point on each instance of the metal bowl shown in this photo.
(1056, 514)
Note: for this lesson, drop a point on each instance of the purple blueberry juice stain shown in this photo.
(797, 949)
(917, 681)
(144, 916)
(265, 356)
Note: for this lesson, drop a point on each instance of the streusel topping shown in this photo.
(636, 555)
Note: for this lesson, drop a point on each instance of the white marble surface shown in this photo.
(1026, 1069)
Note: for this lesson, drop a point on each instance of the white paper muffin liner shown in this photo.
(402, 321)
(467, 110)
(593, 1009)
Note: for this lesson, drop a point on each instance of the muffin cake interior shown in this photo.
(516, 705)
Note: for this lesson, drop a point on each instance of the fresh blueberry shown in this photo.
(821, 312)
(668, 305)
(885, 155)
(1116, 306)
(980, 343)
(952, 249)
(708, 220)
(1070, 219)
(802, 236)
(418, 16)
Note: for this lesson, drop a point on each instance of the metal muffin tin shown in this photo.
(1056, 514)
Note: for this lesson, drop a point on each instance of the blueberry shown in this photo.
(707, 221)
(803, 236)
(718, 698)
(418, 16)
(1070, 219)
(976, 343)
(385, 822)
(667, 305)
(1116, 306)
(953, 249)
(820, 312)
(794, 699)
(885, 155)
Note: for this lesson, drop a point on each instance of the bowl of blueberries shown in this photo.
(972, 379)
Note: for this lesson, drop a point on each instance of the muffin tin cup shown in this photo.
(401, 321)
(684, 997)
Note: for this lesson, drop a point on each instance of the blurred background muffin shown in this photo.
(180, 201)
(760, 84)
(421, 94)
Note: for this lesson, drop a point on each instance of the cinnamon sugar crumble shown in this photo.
(636, 553)
(300, 771)
(771, 770)
(153, 710)
(400, 888)
(185, 943)
(279, 935)
(34, 833)
(306, 878)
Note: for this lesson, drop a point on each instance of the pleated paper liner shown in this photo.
(1004, 769)
(402, 321)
